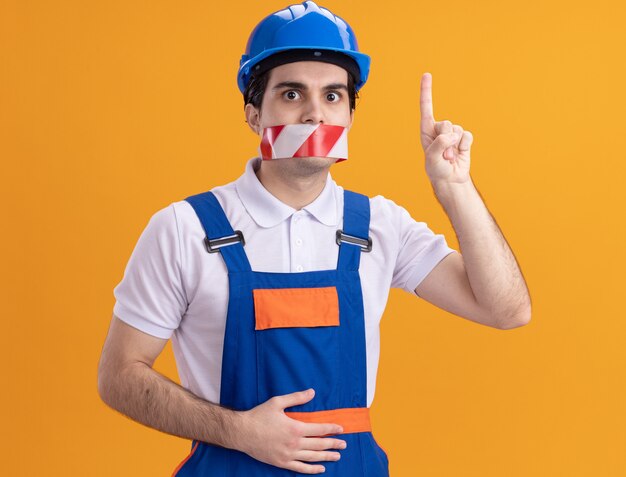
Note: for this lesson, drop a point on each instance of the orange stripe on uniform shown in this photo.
(186, 459)
(352, 419)
(288, 307)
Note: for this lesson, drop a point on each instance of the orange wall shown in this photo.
(112, 110)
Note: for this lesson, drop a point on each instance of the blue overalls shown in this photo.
(287, 332)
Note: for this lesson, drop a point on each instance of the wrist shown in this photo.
(443, 187)
(236, 425)
(455, 197)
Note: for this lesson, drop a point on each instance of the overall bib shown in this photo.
(287, 332)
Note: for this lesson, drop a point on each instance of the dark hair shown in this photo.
(256, 89)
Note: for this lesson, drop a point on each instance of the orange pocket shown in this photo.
(289, 307)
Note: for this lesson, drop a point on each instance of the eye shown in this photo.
(291, 94)
(333, 97)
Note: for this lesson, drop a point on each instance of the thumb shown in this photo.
(442, 142)
(293, 399)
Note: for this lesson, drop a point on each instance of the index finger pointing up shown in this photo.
(426, 98)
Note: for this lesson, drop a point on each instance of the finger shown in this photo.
(466, 141)
(318, 443)
(426, 97)
(293, 399)
(303, 468)
(442, 142)
(317, 430)
(316, 456)
(443, 127)
(449, 152)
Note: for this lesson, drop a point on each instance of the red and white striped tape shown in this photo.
(304, 140)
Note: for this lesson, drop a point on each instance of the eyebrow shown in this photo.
(302, 86)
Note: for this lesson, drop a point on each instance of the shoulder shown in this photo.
(379, 204)
(185, 215)
(388, 222)
(387, 212)
(162, 222)
(394, 223)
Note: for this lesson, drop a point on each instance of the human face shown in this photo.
(307, 92)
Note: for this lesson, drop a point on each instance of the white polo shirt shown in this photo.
(172, 288)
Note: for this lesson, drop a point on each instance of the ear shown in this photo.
(253, 118)
(351, 119)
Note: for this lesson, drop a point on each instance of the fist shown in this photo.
(446, 145)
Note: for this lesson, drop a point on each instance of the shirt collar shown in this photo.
(267, 210)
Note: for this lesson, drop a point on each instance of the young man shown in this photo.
(272, 287)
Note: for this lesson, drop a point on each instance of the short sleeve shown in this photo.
(151, 296)
(420, 250)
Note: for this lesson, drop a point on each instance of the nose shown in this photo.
(312, 111)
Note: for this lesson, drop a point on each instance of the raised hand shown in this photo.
(274, 438)
(446, 145)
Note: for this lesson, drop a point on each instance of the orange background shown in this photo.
(112, 110)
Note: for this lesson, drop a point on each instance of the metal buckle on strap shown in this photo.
(365, 244)
(213, 246)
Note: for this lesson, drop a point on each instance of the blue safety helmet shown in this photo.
(306, 28)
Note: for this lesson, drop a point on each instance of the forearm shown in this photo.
(494, 275)
(141, 393)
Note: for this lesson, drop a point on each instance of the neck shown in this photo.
(295, 182)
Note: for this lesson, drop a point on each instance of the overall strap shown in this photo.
(354, 237)
(220, 236)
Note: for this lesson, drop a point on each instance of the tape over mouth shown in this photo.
(304, 140)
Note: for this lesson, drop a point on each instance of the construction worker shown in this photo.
(272, 287)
